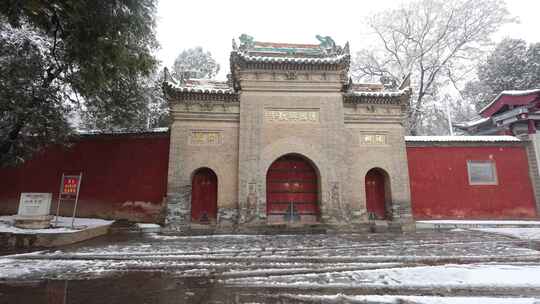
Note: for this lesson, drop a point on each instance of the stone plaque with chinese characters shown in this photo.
(374, 139)
(205, 138)
(35, 204)
(292, 115)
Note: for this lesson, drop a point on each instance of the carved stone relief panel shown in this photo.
(205, 137)
(374, 138)
(292, 115)
(290, 75)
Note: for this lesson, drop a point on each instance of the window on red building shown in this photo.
(482, 172)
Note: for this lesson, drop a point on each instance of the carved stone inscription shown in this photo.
(35, 204)
(205, 138)
(374, 139)
(292, 115)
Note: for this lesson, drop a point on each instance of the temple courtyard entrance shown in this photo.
(459, 266)
(204, 197)
(292, 191)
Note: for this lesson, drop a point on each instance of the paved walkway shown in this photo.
(419, 268)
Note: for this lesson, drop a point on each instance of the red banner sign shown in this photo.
(70, 184)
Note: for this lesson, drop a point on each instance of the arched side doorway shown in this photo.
(377, 194)
(292, 191)
(204, 196)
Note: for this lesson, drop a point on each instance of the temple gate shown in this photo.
(291, 138)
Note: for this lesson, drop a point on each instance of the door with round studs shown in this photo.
(204, 197)
(292, 191)
(375, 194)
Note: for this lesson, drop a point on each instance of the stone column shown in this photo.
(533, 155)
(178, 190)
(250, 185)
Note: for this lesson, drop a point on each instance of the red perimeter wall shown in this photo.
(124, 176)
(440, 187)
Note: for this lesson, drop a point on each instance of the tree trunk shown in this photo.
(13, 135)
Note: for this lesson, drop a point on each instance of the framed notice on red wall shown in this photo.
(69, 191)
(70, 184)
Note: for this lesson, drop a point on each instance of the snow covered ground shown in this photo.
(449, 224)
(443, 276)
(408, 299)
(520, 233)
(460, 266)
(482, 222)
(64, 225)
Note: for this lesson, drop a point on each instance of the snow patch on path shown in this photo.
(521, 233)
(480, 222)
(473, 275)
(412, 299)
(202, 237)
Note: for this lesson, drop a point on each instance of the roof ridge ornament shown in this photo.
(167, 77)
(234, 46)
(346, 50)
(246, 42)
(405, 82)
(327, 44)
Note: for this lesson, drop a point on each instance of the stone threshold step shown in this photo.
(452, 224)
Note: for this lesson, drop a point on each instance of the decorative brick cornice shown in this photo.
(180, 94)
(240, 60)
(394, 98)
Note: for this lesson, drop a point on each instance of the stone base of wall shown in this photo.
(230, 221)
(408, 226)
(33, 222)
(227, 218)
(263, 228)
(178, 215)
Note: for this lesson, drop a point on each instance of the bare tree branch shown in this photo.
(426, 38)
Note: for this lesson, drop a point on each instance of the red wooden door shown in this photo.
(375, 194)
(292, 190)
(204, 196)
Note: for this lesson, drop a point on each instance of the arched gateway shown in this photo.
(292, 191)
(377, 193)
(204, 196)
(290, 113)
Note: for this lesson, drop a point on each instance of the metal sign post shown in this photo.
(76, 201)
(58, 205)
(69, 187)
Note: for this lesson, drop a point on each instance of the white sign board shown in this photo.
(35, 204)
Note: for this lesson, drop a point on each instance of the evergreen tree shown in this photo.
(61, 57)
(195, 63)
(144, 102)
(513, 65)
(32, 113)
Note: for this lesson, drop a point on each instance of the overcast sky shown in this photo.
(213, 23)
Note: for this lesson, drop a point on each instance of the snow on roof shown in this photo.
(379, 94)
(204, 82)
(290, 59)
(120, 132)
(203, 88)
(509, 93)
(520, 92)
(472, 123)
(286, 45)
(366, 87)
(162, 129)
(495, 138)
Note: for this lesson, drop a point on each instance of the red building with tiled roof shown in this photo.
(511, 113)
